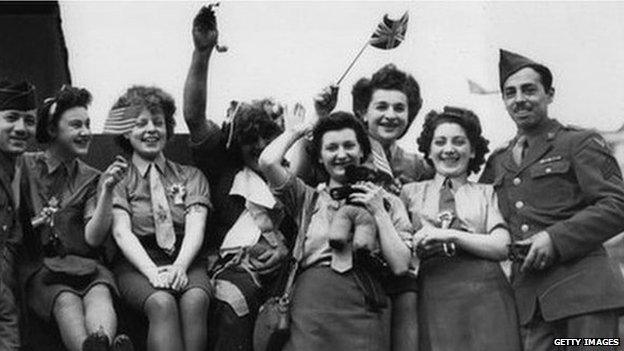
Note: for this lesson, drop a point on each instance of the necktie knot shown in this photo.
(519, 149)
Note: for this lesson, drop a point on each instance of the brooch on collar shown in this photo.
(178, 191)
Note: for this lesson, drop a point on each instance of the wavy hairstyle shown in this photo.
(465, 119)
(50, 113)
(388, 78)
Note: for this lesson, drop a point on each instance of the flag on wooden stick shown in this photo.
(389, 34)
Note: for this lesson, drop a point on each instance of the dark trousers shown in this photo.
(540, 335)
(9, 327)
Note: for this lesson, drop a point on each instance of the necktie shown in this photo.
(15, 184)
(380, 161)
(518, 149)
(163, 224)
(447, 203)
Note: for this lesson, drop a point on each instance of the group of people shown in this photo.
(198, 249)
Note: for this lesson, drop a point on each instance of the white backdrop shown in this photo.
(289, 50)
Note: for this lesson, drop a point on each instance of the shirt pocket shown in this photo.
(551, 168)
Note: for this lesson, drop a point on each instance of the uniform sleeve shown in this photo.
(197, 189)
(120, 195)
(208, 151)
(400, 219)
(488, 175)
(600, 180)
(494, 218)
(292, 194)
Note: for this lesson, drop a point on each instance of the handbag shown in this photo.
(272, 327)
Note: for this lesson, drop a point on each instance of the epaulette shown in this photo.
(502, 148)
(574, 127)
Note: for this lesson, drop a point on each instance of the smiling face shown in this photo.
(16, 128)
(339, 149)
(526, 100)
(149, 134)
(387, 116)
(450, 150)
(73, 133)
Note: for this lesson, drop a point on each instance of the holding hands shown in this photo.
(168, 277)
(541, 252)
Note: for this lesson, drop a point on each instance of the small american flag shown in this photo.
(389, 34)
(121, 120)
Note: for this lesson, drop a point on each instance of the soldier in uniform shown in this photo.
(562, 194)
(17, 126)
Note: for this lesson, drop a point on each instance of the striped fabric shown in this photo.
(121, 120)
(378, 156)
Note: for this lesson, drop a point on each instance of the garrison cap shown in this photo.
(17, 96)
(510, 63)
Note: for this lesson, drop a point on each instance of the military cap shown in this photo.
(511, 63)
(17, 96)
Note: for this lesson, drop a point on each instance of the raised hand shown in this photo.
(325, 102)
(114, 173)
(205, 33)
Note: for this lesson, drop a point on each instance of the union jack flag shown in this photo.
(389, 33)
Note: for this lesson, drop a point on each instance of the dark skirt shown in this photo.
(466, 303)
(135, 288)
(41, 296)
(329, 312)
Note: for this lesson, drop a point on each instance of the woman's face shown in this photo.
(386, 115)
(73, 134)
(149, 134)
(450, 150)
(339, 149)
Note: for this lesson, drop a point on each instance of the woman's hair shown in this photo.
(338, 121)
(388, 78)
(465, 119)
(50, 113)
(251, 121)
(155, 100)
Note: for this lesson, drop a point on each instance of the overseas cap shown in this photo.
(511, 63)
(17, 96)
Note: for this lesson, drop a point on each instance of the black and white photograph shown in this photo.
(311, 175)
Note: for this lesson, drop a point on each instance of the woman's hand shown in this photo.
(325, 102)
(428, 236)
(205, 33)
(297, 121)
(370, 195)
(177, 277)
(114, 173)
(158, 277)
(269, 260)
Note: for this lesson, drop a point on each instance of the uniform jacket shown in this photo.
(569, 185)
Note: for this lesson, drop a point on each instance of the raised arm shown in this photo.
(205, 36)
(98, 226)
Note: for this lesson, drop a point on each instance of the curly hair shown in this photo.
(50, 113)
(388, 78)
(155, 100)
(338, 121)
(469, 123)
(251, 121)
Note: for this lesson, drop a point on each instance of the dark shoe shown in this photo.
(122, 343)
(95, 342)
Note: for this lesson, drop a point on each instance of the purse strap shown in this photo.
(306, 216)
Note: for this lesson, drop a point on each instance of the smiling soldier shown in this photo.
(561, 192)
(17, 126)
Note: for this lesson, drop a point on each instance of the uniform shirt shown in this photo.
(476, 205)
(8, 213)
(133, 193)
(568, 184)
(50, 176)
(316, 248)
